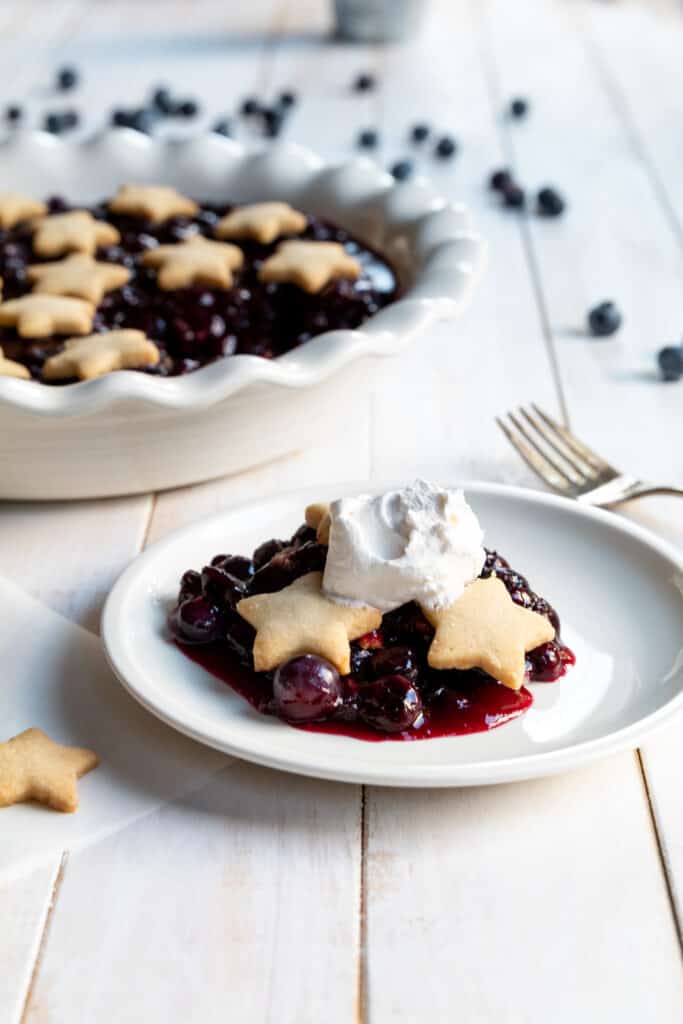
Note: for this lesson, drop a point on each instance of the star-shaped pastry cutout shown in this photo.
(262, 222)
(309, 265)
(197, 260)
(318, 518)
(155, 202)
(15, 207)
(33, 767)
(39, 316)
(301, 620)
(98, 354)
(75, 231)
(78, 275)
(485, 629)
(8, 368)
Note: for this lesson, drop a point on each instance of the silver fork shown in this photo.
(569, 466)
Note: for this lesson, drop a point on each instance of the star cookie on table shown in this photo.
(301, 620)
(309, 265)
(8, 368)
(39, 316)
(78, 275)
(194, 261)
(98, 354)
(485, 629)
(318, 518)
(75, 231)
(34, 767)
(155, 202)
(15, 207)
(262, 222)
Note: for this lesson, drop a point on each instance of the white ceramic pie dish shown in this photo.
(617, 589)
(128, 432)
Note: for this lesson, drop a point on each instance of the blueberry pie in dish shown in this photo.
(382, 618)
(176, 283)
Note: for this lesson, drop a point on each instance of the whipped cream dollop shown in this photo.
(420, 543)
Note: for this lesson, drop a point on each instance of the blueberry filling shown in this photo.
(196, 326)
(391, 692)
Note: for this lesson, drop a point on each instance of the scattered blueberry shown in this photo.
(419, 132)
(364, 82)
(368, 139)
(550, 203)
(13, 113)
(445, 147)
(519, 107)
(670, 361)
(223, 127)
(120, 117)
(604, 320)
(70, 119)
(186, 108)
(500, 179)
(513, 195)
(67, 78)
(272, 122)
(162, 100)
(287, 99)
(53, 123)
(250, 106)
(402, 170)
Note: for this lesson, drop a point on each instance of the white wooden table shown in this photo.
(266, 897)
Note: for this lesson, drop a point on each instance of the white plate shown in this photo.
(618, 591)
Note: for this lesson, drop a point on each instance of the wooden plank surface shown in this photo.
(282, 899)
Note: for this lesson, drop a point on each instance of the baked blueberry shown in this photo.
(519, 107)
(368, 138)
(550, 203)
(604, 320)
(70, 119)
(670, 360)
(500, 179)
(272, 122)
(364, 82)
(306, 689)
(391, 704)
(445, 147)
(13, 113)
(67, 78)
(419, 132)
(402, 170)
(52, 122)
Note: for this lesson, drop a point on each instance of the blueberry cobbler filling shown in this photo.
(197, 325)
(391, 691)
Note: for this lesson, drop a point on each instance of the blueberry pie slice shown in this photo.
(383, 617)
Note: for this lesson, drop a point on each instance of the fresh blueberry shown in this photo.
(223, 127)
(519, 107)
(307, 689)
(402, 170)
(550, 203)
(53, 123)
(513, 195)
(445, 147)
(162, 100)
(364, 82)
(250, 107)
(500, 179)
(120, 117)
(70, 119)
(670, 361)
(368, 138)
(13, 113)
(272, 122)
(419, 132)
(604, 320)
(67, 78)
(287, 99)
(142, 120)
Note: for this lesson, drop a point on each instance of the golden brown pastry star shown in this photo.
(301, 620)
(39, 316)
(8, 368)
(309, 265)
(75, 231)
(15, 207)
(85, 358)
(156, 202)
(264, 222)
(78, 275)
(197, 260)
(33, 767)
(485, 629)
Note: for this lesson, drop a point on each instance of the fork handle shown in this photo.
(647, 490)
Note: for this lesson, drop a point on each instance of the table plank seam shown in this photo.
(42, 943)
(362, 996)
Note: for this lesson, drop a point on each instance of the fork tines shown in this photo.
(553, 452)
